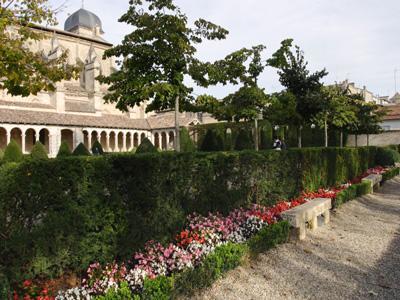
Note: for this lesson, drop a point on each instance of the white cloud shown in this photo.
(357, 39)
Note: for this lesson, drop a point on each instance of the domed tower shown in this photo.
(84, 22)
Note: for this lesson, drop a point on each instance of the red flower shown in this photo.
(27, 283)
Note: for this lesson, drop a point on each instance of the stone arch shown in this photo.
(120, 141)
(86, 139)
(67, 136)
(16, 135)
(142, 137)
(128, 141)
(112, 141)
(94, 137)
(164, 145)
(103, 140)
(44, 138)
(30, 139)
(157, 140)
(3, 138)
(135, 140)
(171, 143)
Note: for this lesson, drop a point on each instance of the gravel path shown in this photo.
(356, 256)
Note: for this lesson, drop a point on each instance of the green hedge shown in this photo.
(391, 174)
(352, 192)
(310, 137)
(58, 215)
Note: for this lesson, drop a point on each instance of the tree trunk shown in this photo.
(341, 138)
(326, 133)
(256, 134)
(356, 140)
(299, 136)
(177, 127)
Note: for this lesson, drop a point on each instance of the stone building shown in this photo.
(76, 111)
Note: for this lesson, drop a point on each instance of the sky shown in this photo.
(357, 40)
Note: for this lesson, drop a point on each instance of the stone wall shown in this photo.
(383, 139)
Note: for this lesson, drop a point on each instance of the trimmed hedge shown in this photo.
(146, 146)
(39, 152)
(387, 156)
(13, 152)
(107, 207)
(352, 192)
(391, 174)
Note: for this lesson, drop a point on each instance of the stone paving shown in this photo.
(356, 256)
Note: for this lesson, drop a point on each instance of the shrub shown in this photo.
(160, 288)
(97, 148)
(269, 237)
(266, 138)
(390, 174)
(187, 144)
(1, 154)
(146, 146)
(352, 192)
(244, 141)
(13, 152)
(387, 157)
(123, 293)
(64, 150)
(81, 150)
(39, 152)
(223, 259)
(212, 142)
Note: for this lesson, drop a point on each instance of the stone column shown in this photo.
(23, 140)
(8, 136)
(108, 141)
(132, 133)
(89, 140)
(124, 142)
(116, 149)
(37, 135)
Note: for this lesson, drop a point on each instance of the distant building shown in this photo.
(76, 111)
(367, 95)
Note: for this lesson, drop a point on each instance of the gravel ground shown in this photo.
(356, 256)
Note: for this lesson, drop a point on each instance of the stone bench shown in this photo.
(308, 213)
(374, 180)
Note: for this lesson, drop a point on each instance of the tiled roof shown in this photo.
(25, 104)
(393, 112)
(167, 120)
(13, 116)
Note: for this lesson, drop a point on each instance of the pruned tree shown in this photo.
(156, 56)
(22, 71)
(299, 81)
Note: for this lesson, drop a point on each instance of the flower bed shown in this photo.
(191, 248)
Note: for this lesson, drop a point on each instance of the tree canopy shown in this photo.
(22, 71)
(157, 55)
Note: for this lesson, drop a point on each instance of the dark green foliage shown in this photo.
(266, 138)
(39, 152)
(269, 237)
(387, 157)
(111, 205)
(354, 191)
(81, 150)
(64, 150)
(5, 291)
(187, 144)
(223, 259)
(160, 288)
(390, 174)
(1, 154)
(244, 141)
(13, 152)
(146, 146)
(212, 142)
(97, 148)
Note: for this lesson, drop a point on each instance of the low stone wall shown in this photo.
(383, 139)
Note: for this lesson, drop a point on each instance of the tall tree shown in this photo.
(297, 79)
(335, 110)
(156, 56)
(23, 72)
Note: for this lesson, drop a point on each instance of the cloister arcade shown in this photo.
(112, 140)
